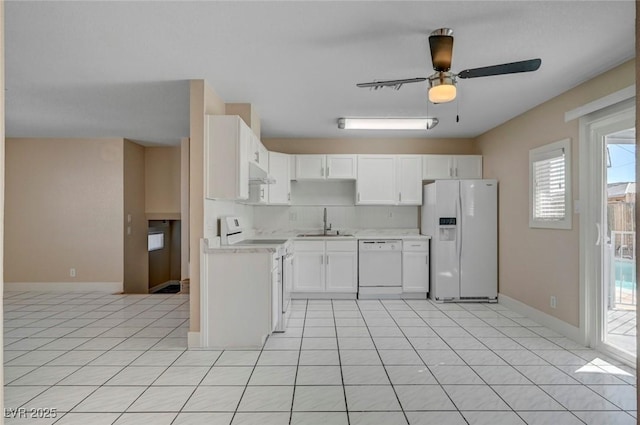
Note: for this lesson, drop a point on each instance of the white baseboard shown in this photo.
(193, 340)
(553, 323)
(110, 287)
(323, 296)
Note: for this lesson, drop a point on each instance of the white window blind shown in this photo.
(549, 186)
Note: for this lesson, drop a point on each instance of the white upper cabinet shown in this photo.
(438, 167)
(389, 180)
(468, 166)
(310, 167)
(409, 179)
(325, 167)
(280, 191)
(258, 154)
(376, 183)
(341, 167)
(226, 165)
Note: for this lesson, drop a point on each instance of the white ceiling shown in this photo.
(120, 69)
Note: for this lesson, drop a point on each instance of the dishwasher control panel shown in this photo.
(381, 245)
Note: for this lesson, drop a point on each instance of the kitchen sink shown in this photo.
(322, 235)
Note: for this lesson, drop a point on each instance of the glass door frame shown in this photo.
(593, 313)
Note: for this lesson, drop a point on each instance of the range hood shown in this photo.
(259, 176)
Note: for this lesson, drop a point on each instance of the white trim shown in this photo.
(553, 323)
(111, 287)
(603, 102)
(592, 128)
(193, 340)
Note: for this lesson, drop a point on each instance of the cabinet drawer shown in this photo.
(344, 246)
(415, 246)
(299, 246)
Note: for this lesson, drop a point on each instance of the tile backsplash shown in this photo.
(340, 217)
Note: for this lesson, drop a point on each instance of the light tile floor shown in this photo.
(121, 359)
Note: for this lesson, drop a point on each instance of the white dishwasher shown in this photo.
(379, 268)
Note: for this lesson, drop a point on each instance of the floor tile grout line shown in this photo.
(485, 382)
(103, 384)
(195, 388)
(344, 388)
(422, 360)
(406, 418)
(295, 378)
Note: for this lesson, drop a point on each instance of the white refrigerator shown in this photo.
(461, 216)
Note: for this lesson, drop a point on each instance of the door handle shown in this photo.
(599, 231)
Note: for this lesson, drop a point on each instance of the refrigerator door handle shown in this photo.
(459, 227)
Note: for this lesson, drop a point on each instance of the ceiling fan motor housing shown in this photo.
(441, 45)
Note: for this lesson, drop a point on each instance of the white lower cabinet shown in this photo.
(308, 270)
(341, 272)
(325, 266)
(415, 266)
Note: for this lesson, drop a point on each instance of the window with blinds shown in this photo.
(550, 186)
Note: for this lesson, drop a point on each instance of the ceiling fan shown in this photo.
(442, 83)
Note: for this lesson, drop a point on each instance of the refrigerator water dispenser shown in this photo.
(447, 227)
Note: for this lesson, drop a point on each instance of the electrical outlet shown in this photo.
(553, 302)
(72, 272)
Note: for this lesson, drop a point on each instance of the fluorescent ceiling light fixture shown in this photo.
(387, 123)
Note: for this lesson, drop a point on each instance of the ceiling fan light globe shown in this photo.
(442, 93)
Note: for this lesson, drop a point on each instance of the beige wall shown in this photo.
(162, 182)
(537, 263)
(2, 172)
(202, 100)
(135, 231)
(390, 146)
(64, 206)
(247, 112)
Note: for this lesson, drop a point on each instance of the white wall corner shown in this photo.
(553, 323)
(108, 287)
(193, 340)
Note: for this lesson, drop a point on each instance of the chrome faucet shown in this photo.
(325, 229)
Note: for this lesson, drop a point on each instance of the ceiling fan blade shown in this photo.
(505, 68)
(441, 45)
(390, 83)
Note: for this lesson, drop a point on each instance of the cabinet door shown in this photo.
(376, 183)
(243, 161)
(468, 166)
(280, 191)
(308, 271)
(226, 165)
(341, 167)
(263, 156)
(415, 271)
(258, 194)
(409, 184)
(275, 298)
(437, 167)
(310, 167)
(341, 271)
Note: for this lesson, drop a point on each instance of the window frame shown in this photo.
(538, 154)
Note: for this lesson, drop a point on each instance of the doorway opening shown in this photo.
(608, 230)
(619, 250)
(164, 256)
